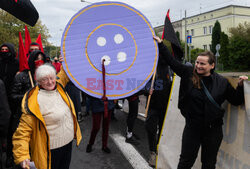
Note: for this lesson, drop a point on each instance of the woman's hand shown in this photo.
(241, 79)
(158, 40)
(25, 164)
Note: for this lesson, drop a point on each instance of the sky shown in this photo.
(55, 14)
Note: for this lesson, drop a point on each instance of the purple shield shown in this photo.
(122, 36)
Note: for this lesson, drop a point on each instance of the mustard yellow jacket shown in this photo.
(31, 139)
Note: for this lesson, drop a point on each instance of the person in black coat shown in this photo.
(4, 111)
(204, 121)
(9, 65)
(4, 118)
(157, 107)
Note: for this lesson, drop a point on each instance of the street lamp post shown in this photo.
(86, 1)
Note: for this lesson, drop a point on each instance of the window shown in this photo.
(210, 29)
(210, 46)
(187, 32)
(205, 47)
(204, 30)
(192, 32)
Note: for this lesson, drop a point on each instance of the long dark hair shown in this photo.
(196, 79)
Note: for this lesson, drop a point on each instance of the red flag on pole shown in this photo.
(27, 40)
(23, 62)
(39, 41)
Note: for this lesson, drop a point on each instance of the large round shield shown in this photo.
(122, 36)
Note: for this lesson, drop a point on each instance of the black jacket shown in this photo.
(21, 86)
(9, 66)
(162, 86)
(220, 90)
(4, 111)
(22, 82)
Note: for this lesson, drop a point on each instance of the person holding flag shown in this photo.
(204, 118)
(157, 108)
(202, 111)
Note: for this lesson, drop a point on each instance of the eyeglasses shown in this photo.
(47, 79)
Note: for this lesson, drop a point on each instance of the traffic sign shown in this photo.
(189, 39)
(217, 47)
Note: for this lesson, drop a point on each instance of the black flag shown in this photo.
(170, 35)
(21, 9)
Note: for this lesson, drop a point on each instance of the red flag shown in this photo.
(27, 40)
(39, 41)
(170, 35)
(23, 62)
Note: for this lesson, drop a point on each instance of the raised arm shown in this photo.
(179, 68)
(62, 76)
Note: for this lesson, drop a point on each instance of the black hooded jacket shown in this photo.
(22, 81)
(9, 66)
(4, 111)
(162, 86)
(192, 105)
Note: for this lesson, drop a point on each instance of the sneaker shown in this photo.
(132, 140)
(89, 148)
(106, 150)
(152, 159)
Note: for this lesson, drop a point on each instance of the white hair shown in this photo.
(45, 70)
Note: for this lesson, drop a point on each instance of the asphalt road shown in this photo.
(116, 160)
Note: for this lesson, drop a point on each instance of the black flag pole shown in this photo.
(170, 35)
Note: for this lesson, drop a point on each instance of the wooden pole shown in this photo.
(149, 97)
(31, 80)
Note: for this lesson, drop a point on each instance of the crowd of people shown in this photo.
(41, 109)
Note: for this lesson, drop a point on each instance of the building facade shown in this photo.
(200, 26)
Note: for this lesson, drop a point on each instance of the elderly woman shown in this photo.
(48, 123)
